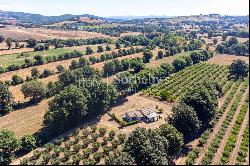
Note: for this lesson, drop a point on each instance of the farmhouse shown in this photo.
(147, 115)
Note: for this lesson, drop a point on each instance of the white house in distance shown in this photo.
(147, 115)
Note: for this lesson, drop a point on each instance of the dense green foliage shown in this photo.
(234, 47)
(8, 145)
(35, 90)
(147, 147)
(6, 99)
(185, 120)
(239, 69)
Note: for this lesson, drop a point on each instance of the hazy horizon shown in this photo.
(128, 7)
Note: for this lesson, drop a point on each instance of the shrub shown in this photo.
(60, 68)
(102, 131)
(16, 80)
(28, 143)
(111, 134)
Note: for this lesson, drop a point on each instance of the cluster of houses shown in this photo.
(147, 115)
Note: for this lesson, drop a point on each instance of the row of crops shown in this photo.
(232, 139)
(88, 146)
(181, 82)
(232, 102)
(244, 147)
(215, 144)
(194, 154)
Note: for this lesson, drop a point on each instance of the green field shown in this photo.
(17, 59)
(180, 83)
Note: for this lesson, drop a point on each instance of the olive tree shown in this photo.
(9, 43)
(119, 158)
(147, 55)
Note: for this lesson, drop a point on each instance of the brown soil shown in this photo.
(133, 102)
(220, 150)
(215, 129)
(25, 121)
(21, 33)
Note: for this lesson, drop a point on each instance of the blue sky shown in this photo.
(128, 7)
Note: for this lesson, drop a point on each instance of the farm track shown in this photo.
(217, 127)
(239, 140)
(229, 128)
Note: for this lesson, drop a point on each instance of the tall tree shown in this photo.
(1, 38)
(9, 43)
(239, 69)
(185, 120)
(174, 137)
(147, 55)
(31, 43)
(35, 90)
(204, 102)
(8, 145)
(89, 50)
(6, 99)
(147, 147)
(66, 110)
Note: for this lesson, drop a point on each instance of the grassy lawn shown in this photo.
(17, 59)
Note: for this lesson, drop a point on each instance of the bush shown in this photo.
(119, 120)
(28, 143)
(60, 68)
(46, 73)
(16, 80)
(102, 131)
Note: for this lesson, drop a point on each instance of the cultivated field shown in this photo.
(221, 138)
(225, 59)
(20, 33)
